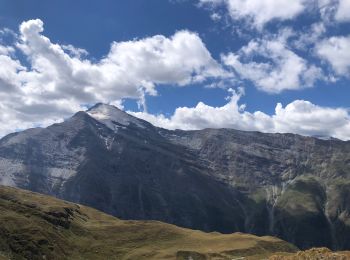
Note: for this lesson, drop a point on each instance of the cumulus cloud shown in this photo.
(301, 117)
(231, 115)
(308, 119)
(59, 78)
(343, 12)
(260, 12)
(335, 51)
(335, 10)
(6, 50)
(306, 40)
(272, 66)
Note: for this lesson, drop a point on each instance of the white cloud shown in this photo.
(308, 119)
(272, 66)
(306, 40)
(215, 17)
(75, 52)
(301, 117)
(343, 12)
(335, 10)
(335, 50)
(6, 50)
(231, 115)
(260, 12)
(59, 78)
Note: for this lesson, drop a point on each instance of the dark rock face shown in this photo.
(295, 187)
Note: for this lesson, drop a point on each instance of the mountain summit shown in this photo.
(113, 117)
(225, 180)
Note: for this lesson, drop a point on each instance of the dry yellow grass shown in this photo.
(314, 254)
(34, 226)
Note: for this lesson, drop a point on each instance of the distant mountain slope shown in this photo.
(293, 187)
(34, 226)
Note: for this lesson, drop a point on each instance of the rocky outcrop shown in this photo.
(314, 254)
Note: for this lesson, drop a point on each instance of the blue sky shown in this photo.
(257, 55)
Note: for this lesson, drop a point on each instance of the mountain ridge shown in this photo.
(213, 179)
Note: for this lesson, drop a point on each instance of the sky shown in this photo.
(256, 65)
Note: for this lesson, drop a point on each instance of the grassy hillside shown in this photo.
(34, 226)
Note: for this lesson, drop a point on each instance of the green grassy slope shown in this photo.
(34, 226)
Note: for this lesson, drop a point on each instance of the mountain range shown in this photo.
(290, 186)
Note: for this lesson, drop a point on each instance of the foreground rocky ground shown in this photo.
(314, 254)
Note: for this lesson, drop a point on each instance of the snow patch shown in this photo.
(113, 117)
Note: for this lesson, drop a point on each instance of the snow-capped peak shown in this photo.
(112, 116)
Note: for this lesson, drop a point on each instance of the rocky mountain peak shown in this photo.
(113, 117)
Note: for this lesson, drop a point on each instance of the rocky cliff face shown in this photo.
(295, 187)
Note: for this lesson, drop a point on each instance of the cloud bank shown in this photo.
(54, 81)
(301, 117)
